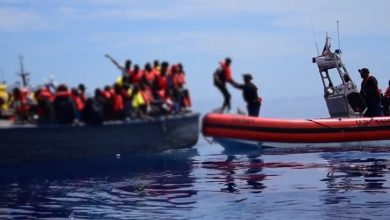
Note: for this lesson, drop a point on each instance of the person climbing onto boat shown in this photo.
(386, 101)
(251, 97)
(371, 94)
(221, 76)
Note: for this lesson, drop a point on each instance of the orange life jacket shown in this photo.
(45, 94)
(136, 77)
(147, 95)
(150, 76)
(162, 82)
(118, 103)
(78, 102)
(179, 80)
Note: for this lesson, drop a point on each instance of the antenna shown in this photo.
(338, 35)
(315, 38)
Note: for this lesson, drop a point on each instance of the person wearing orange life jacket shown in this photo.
(179, 81)
(64, 106)
(45, 108)
(136, 76)
(156, 67)
(79, 103)
(162, 79)
(222, 76)
(148, 98)
(81, 87)
(118, 105)
(149, 77)
(20, 104)
(370, 93)
(108, 97)
(386, 101)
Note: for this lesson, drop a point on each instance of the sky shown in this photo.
(273, 40)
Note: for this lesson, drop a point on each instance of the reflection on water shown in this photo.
(202, 184)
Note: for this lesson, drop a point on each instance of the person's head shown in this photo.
(128, 64)
(247, 77)
(82, 88)
(389, 82)
(228, 61)
(156, 63)
(98, 92)
(148, 67)
(74, 91)
(62, 88)
(180, 67)
(136, 68)
(364, 73)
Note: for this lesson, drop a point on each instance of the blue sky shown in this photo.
(274, 40)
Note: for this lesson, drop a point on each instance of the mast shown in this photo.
(24, 75)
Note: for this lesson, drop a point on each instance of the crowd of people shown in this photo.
(155, 90)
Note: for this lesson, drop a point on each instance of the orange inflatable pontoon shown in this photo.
(296, 130)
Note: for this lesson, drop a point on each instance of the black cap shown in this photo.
(364, 71)
(247, 76)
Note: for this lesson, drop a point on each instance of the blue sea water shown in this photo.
(206, 182)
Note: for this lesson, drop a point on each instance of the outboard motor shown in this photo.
(342, 100)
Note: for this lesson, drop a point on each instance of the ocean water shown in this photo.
(206, 182)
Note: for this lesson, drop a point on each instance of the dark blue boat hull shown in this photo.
(52, 142)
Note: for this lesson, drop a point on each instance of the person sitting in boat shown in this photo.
(118, 104)
(64, 106)
(93, 112)
(78, 101)
(82, 89)
(386, 101)
(251, 97)
(4, 97)
(180, 92)
(45, 110)
(371, 94)
(21, 105)
(222, 76)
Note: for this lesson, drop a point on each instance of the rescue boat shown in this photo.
(345, 127)
(229, 129)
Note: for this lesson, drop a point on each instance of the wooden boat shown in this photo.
(239, 129)
(346, 127)
(52, 142)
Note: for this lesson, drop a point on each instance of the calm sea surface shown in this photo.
(205, 182)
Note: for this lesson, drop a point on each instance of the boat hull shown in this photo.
(298, 132)
(31, 142)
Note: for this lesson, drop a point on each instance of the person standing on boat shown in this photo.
(126, 69)
(386, 101)
(371, 94)
(251, 97)
(221, 76)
